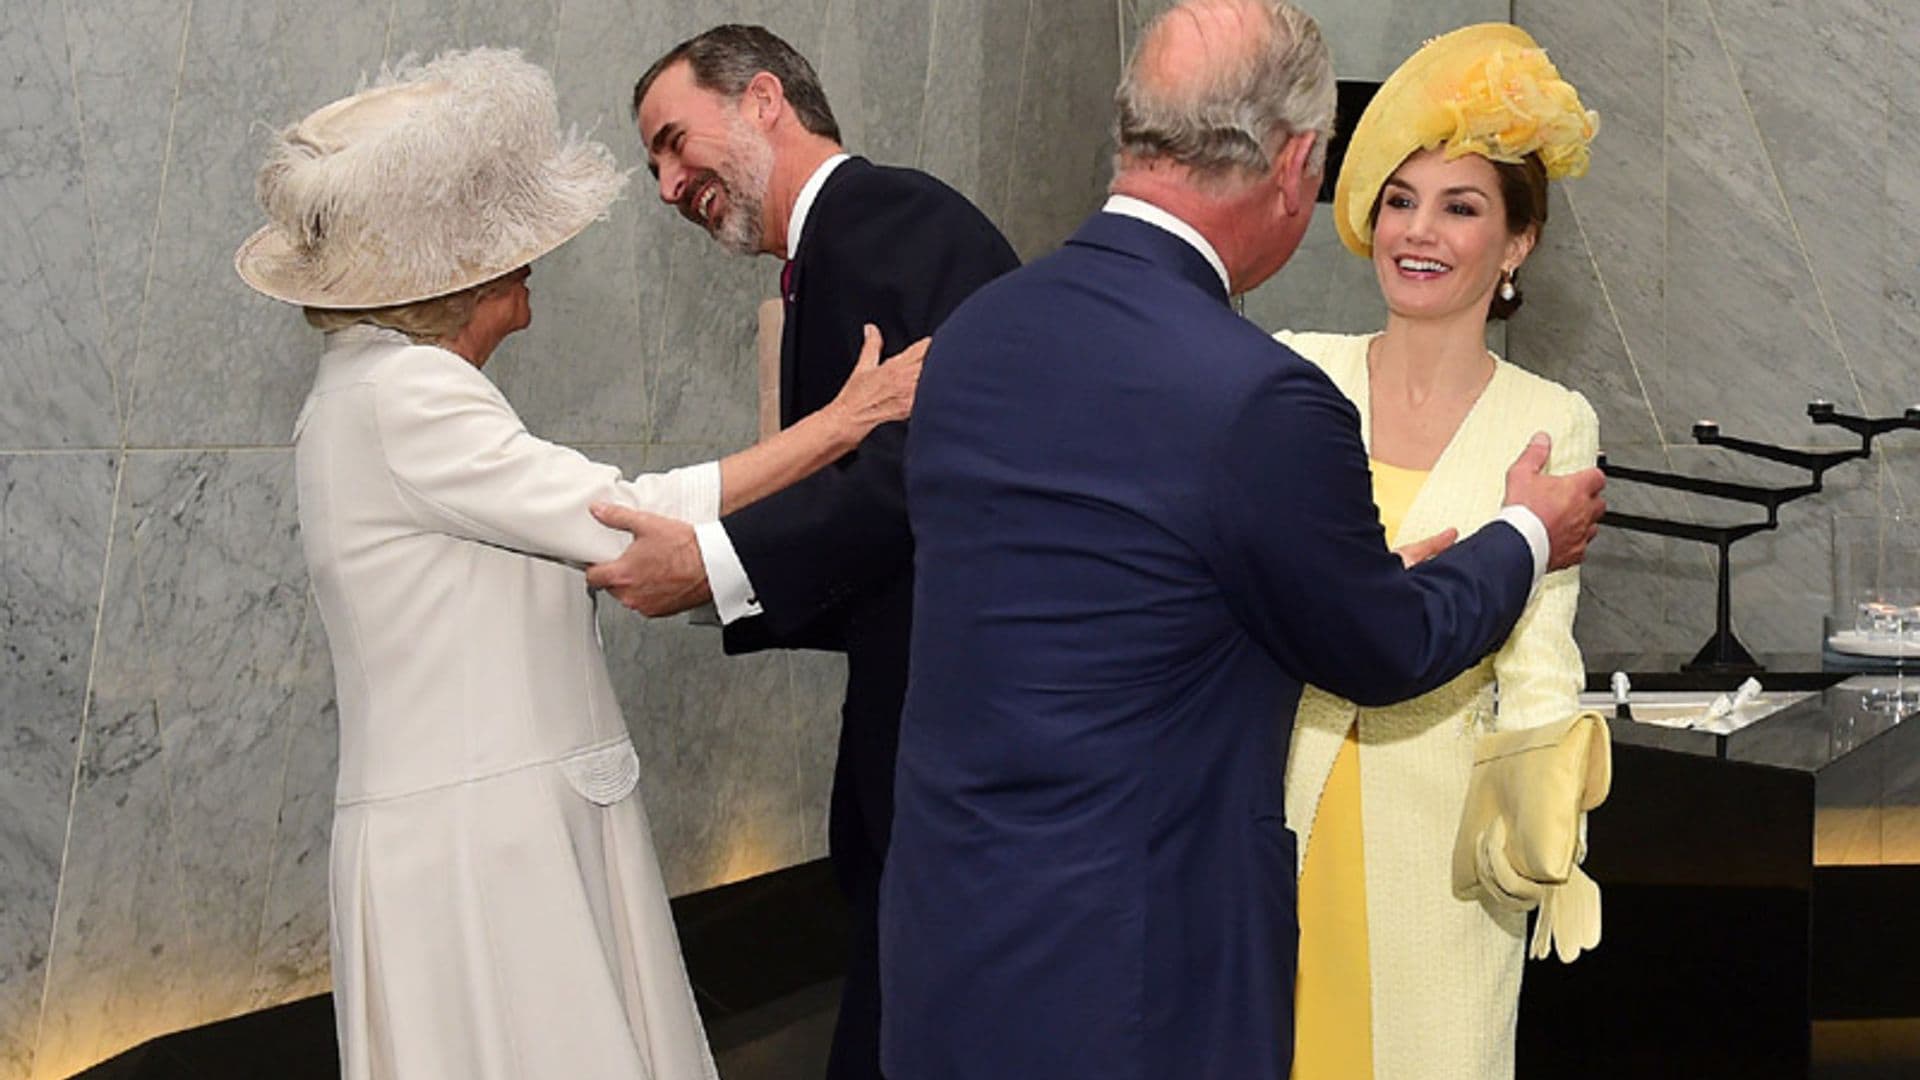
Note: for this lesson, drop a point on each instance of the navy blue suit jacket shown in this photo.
(1141, 525)
(831, 558)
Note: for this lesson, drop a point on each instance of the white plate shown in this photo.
(1855, 643)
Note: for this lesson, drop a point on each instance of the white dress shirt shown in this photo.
(1524, 521)
(733, 595)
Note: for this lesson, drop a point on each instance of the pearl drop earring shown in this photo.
(1507, 291)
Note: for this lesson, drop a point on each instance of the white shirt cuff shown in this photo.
(703, 491)
(733, 594)
(1528, 524)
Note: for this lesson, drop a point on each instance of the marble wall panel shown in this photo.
(1748, 340)
(873, 62)
(715, 737)
(220, 365)
(579, 372)
(116, 969)
(528, 25)
(973, 96)
(1596, 305)
(55, 511)
(326, 55)
(702, 368)
(1370, 39)
(1323, 287)
(1570, 330)
(195, 804)
(126, 62)
(1642, 594)
(1818, 76)
(291, 960)
(1886, 370)
(1135, 17)
(1061, 147)
(221, 591)
(425, 27)
(56, 388)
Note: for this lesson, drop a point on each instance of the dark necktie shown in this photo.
(786, 282)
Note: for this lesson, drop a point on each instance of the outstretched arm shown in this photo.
(874, 394)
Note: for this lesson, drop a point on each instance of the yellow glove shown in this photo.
(1523, 829)
(1569, 916)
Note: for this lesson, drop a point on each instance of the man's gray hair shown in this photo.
(1234, 117)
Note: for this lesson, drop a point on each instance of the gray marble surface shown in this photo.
(1371, 38)
(54, 515)
(201, 682)
(1061, 148)
(218, 365)
(114, 974)
(1716, 270)
(125, 62)
(56, 383)
(975, 83)
(179, 805)
(1323, 287)
(1709, 265)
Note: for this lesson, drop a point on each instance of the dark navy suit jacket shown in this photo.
(1141, 525)
(831, 558)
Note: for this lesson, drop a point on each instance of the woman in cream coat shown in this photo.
(1399, 977)
(498, 911)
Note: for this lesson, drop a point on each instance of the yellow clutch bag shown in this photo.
(1523, 831)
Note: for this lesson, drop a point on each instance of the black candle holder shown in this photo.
(1723, 653)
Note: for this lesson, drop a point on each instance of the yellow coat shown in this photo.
(1445, 973)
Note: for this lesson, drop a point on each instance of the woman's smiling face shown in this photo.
(1440, 239)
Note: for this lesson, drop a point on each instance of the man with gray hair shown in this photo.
(1141, 525)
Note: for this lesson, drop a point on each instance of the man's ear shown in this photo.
(763, 99)
(1299, 185)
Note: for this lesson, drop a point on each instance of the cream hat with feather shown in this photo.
(437, 178)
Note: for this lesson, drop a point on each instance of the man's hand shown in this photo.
(660, 573)
(1412, 555)
(1569, 506)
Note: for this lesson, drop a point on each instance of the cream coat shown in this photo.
(498, 912)
(1445, 973)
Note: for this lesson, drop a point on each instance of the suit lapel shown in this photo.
(796, 287)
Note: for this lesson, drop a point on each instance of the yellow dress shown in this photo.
(1333, 1008)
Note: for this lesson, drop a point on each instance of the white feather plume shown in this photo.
(461, 169)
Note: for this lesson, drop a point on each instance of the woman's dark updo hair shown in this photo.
(1523, 188)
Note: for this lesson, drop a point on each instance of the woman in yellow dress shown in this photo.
(1444, 188)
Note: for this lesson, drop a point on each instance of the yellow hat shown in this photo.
(1487, 90)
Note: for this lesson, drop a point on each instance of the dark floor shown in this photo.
(762, 957)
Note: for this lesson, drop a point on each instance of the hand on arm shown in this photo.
(1539, 669)
(1304, 563)
(1569, 506)
(874, 394)
(661, 572)
(1419, 551)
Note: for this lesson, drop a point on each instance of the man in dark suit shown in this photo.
(1142, 525)
(744, 144)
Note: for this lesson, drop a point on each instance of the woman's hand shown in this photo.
(877, 393)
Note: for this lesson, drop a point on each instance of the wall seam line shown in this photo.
(153, 235)
(79, 759)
